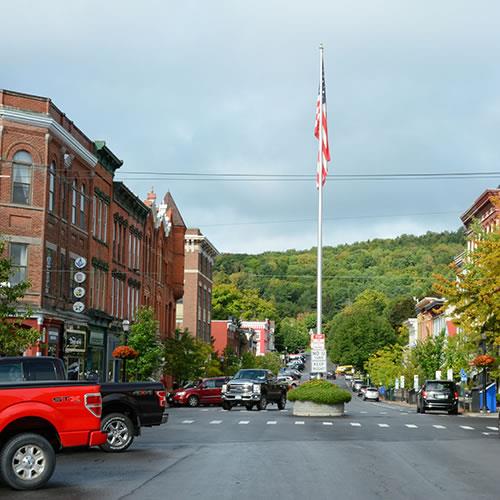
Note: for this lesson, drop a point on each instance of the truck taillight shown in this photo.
(93, 403)
(161, 395)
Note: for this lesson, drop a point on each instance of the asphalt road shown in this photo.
(377, 451)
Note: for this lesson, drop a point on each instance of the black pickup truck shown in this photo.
(126, 407)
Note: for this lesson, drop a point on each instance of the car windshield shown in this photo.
(251, 374)
(439, 386)
(372, 389)
(190, 385)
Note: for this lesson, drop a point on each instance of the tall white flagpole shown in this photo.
(319, 300)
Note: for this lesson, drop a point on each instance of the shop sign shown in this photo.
(96, 338)
(75, 341)
(79, 292)
(80, 262)
(78, 307)
(79, 277)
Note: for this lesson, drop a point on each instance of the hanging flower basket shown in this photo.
(483, 360)
(125, 352)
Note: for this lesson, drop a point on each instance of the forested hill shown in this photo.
(399, 267)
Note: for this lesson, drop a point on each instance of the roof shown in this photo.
(176, 219)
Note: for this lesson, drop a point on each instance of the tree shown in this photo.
(186, 357)
(384, 366)
(270, 361)
(475, 292)
(231, 362)
(143, 338)
(292, 334)
(429, 355)
(360, 330)
(14, 338)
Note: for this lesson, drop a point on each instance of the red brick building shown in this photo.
(92, 250)
(194, 311)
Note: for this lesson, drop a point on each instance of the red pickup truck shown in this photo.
(38, 418)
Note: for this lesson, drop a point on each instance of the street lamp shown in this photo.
(126, 327)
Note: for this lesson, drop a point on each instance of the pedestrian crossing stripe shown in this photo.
(187, 421)
(355, 424)
(492, 428)
(216, 422)
(383, 425)
(327, 423)
(467, 428)
(271, 422)
(439, 426)
(299, 422)
(411, 426)
(244, 422)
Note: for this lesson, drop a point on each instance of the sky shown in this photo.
(230, 87)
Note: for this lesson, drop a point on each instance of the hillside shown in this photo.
(399, 267)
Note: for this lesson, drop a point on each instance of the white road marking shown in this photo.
(271, 422)
(299, 422)
(404, 413)
(492, 428)
(439, 426)
(411, 426)
(243, 422)
(383, 412)
(204, 409)
(187, 421)
(486, 433)
(327, 423)
(215, 422)
(383, 425)
(355, 424)
(467, 428)
(363, 412)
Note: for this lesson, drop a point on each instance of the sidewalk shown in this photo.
(404, 404)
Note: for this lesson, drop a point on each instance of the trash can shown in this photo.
(476, 400)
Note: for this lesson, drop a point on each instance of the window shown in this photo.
(63, 190)
(21, 178)
(104, 224)
(94, 216)
(100, 222)
(82, 207)
(11, 371)
(52, 186)
(19, 260)
(74, 194)
(49, 270)
(41, 369)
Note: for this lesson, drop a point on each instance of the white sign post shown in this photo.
(402, 381)
(438, 374)
(449, 374)
(416, 385)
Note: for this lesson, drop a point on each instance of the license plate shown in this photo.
(237, 397)
(441, 396)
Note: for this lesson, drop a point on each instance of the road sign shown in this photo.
(79, 292)
(318, 345)
(79, 277)
(78, 307)
(318, 366)
(416, 385)
(80, 262)
(318, 355)
(402, 381)
(449, 374)
(463, 375)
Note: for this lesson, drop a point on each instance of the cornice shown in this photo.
(44, 121)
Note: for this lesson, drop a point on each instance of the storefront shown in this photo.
(95, 365)
(75, 346)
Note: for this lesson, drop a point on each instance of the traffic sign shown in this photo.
(318, 355)
(318, 366)
(78, 307)
(318, 344)
(79, 277)
(463, 375)
(80, 262)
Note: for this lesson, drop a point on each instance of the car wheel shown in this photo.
(453, 412)
(193, 401)
(262, 404)
(282, 402)
(364, 399)
(27, 461)
(422, 409)
(226, 406)
(418, 408)
(120, 431)
(249, 407)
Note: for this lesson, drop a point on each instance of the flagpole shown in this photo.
(319, 292)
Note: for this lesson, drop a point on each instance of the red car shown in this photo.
(206, 392)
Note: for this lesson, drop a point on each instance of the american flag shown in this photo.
(321, 124)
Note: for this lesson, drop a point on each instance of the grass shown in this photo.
(321, 392)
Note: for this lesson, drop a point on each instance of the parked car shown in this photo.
(438, 395)
(126, 407)
(38, 418)
(289, 381)
(371, 393)
(356, 384)
(254, 387)
(206, 392)
(348, 376)
(171, 394)
(362, 390)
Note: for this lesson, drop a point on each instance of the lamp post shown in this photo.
(126, 327)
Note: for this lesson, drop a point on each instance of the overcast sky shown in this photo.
(230, 87)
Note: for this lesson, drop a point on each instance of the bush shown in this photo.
(321, 392)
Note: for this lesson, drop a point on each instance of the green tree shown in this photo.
(270, 361)
(14, 338)
(186, 357)
(231, 362)
(384, 366)
(144, 339)
(360, 330)
(293, 334)
(429, 355)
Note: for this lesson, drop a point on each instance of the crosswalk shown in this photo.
(486, 430)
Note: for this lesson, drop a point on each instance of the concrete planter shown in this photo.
(309, 409)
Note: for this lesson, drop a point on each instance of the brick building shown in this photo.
(194, 311)
(92, 250)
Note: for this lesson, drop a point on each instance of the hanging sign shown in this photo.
(78, 307)
(79, 292)
(79, 277)
(80, 262)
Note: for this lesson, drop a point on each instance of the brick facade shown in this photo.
(59, 202)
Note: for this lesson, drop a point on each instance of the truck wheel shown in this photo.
(249, 407)
(282, 402)
(226, 406)
(193, 401)
(27, 461)
(120, 431)
(262, 404)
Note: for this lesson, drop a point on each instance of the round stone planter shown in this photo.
(309, 409)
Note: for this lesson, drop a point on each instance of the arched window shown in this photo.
(52, 186)
(21, 178)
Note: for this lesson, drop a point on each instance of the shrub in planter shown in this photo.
(320, 392)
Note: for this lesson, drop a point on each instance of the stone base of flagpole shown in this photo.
(310, 409)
